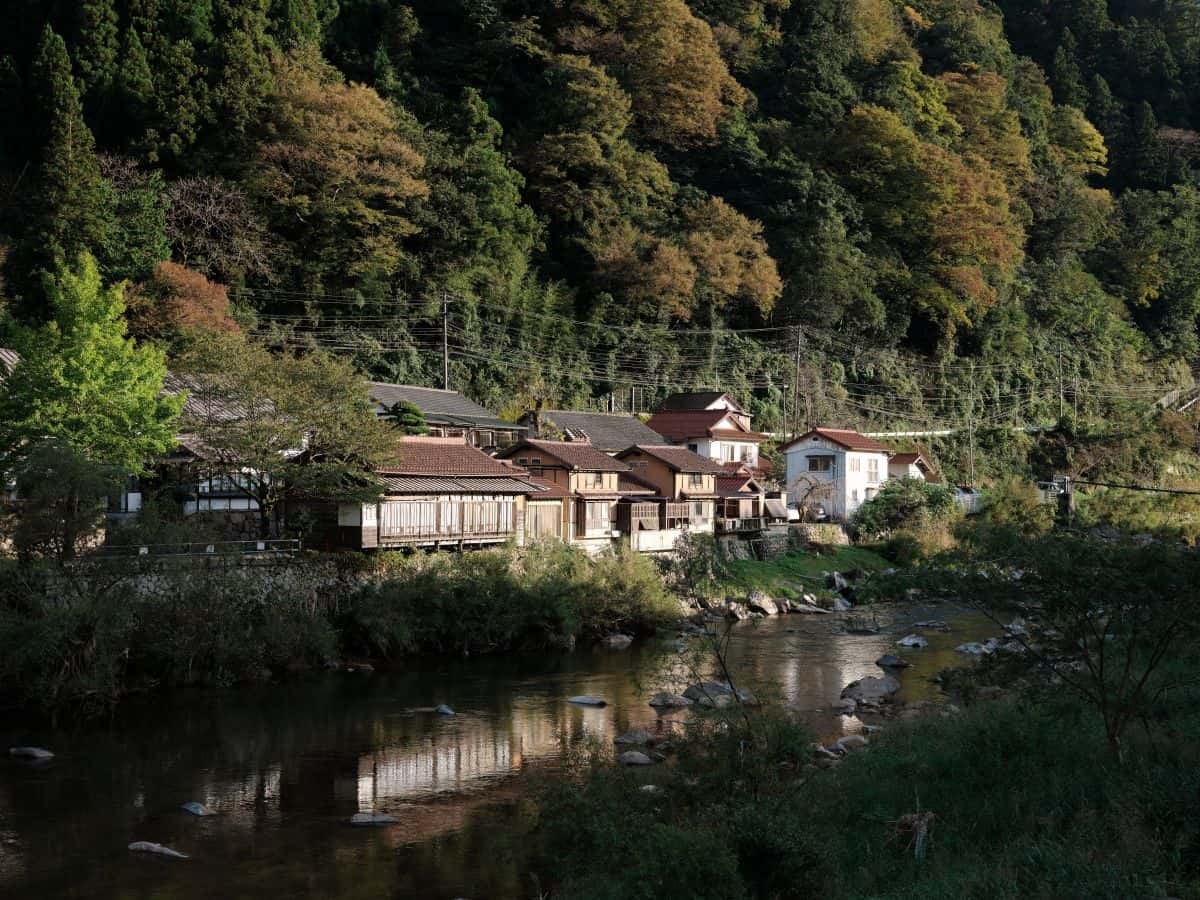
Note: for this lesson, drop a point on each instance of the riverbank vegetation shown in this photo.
(1070, 771)
(80, 640)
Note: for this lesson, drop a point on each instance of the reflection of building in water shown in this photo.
(464, 750)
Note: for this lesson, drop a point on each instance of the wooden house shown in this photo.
(911, 465)
(438, 492)
(448, 414)
(684, 486)
(589, 477)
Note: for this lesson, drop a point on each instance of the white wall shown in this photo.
(716, 450)
(852, 479)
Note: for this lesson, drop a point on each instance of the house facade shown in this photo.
(835, 470)
(590, 478)
(678, 495)
(438, 493)
(448, 414)
(710, 424)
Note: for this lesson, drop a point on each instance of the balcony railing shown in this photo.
(732, 526)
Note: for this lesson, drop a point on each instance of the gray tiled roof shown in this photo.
(440, 407)
(606, 431)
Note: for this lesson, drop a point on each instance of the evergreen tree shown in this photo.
(134, 88)
(297, 23)
(96, 49)
(69, 215)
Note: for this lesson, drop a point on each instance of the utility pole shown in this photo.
(971, 429)
(445, 340)
(1060, 384)
(796, 382)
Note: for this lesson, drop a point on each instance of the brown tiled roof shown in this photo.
(679, 426)
(629, 483)
(731, 485)
(572, 454)
(547, 490)
(734, 434)
(679, 459)
(449, 457)
(843, 437)
(471, 484)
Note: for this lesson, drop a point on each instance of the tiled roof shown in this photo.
(546, 489)
(843, 437)
(572, 454)
(448, 457)
(693, 401)
(906, 459)
(630, 483)
(734, 434)
(605, 431)
(440, 407)
(679, 426)
(423, 484)
(732, 485)
(207, 401)
(679, 459)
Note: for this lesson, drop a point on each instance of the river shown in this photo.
(287, 765)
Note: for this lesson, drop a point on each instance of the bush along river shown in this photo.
(286, 768)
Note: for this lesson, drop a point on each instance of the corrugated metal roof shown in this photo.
(8, 360)
(777, 508)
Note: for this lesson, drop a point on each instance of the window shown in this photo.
(873, 468)
(747, 454)
(522, 460)
(854, 495)
(698, 511)
(695, 479)
(596, 518)
(728, 452)
(594, 480)
(855, 464)
(695, 448)
(820, 464)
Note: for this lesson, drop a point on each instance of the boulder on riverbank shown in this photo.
(716, 694)
(638, 737)
(892, 661)
(872, 689)
(757, 601)
(731, 609)
(912, 641)
(972, 648)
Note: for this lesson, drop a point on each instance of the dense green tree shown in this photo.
(96, 50)
(83, 384)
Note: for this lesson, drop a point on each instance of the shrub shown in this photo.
(905, 503)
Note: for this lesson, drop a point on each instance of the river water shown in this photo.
(287, 765)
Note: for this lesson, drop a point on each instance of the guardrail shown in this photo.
(275, 547)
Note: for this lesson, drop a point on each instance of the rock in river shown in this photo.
(665, 700)
(618, 641)
(198, 809)
(892, 661)
(587, 700)
(443, 710)
(760, 602)
(159, 849)
(973, 649)
(30, 753)
(639, 737)
(915, 641)
(364, 819)
(871, 688)
(634, 758)
(716, 694)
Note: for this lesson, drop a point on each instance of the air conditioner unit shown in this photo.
(616, 532)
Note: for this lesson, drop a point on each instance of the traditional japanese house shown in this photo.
(438, 492)
(911, 465)
(587, 475)
(683, 498)
(710, 424)
(448, 414)
(741, 502)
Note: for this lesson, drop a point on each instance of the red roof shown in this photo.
(419, 455)
(843, 437)
(732, 485)
(572, 454)
(676, 458)
(679, 426)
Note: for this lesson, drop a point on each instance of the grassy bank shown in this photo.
(796, 573)
(1080, 781)
(80, 639)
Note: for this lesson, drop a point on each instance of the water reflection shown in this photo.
(286, 766)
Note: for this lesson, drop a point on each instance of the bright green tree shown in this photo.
(82, 383)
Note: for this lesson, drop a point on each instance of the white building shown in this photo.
(835, 470)
(911, 465)
(711, 424)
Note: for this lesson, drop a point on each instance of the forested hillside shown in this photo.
(935, 212)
